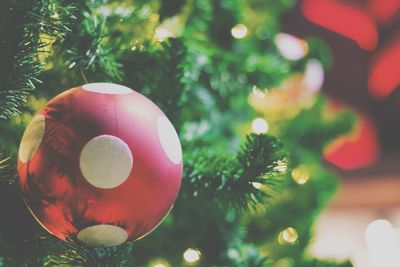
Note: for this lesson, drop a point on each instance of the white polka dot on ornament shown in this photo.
(107, 88)
(106, 161)
(103, 235)
(169, 140)
(32, 138)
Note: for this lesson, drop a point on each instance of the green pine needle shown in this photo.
(229, 181)
(21, 23)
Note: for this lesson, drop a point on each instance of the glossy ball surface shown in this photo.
(101, 164)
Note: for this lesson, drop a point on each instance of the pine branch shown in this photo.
(5, 169)
(13, 235)
(88, 51)
(59, 253)
(298, 205)
(228, 180)
(313, 129)
(170, 8)
(157, 71)
(21, 23)
(243, 254)
(227, 67)
(36, 247)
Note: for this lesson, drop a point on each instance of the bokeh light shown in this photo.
(256, 185)
(291, 47)
(159, 262)
(162, 33)
(313, 75)
(258, 93)
(377, 230)
(260, 126)
(382, 244)
(289, 236)
(301, 174)
(191, 255)
(239, 31)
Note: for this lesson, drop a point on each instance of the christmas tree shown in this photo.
(248, 197)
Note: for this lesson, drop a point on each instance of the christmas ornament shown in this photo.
(101, 164)
(357, 149)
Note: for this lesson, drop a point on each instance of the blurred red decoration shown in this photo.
(344, 19)
(384, 75)
(363, 36)
(100, 163)
(383, 10)
(357, 149)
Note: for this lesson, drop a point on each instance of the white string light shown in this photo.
(191, 255)
(260, 126)
(239, 31)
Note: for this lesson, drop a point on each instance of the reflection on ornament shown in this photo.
(301, 174)
(93, 167)
(260, 126)
(291, 47)
(239, 31)
(288, 236)
(191, 255)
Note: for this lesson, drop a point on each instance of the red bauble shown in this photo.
(357, 149)
(100, 164)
